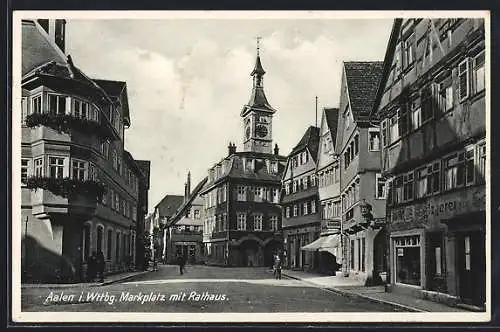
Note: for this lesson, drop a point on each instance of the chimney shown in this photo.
(231, 149)
(188, 187)
(276, 149)
(60, 34)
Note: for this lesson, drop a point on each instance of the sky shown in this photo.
(188, 79)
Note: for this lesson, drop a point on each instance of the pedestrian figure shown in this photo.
(92, 266)
(100, 262)
(180, 261)
(277, 266)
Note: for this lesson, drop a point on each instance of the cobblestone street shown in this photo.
(206, 289)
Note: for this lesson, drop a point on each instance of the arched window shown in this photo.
(86, 242)
(100, 238)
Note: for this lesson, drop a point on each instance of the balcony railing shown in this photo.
(65, 187)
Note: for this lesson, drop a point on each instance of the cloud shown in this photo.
(186, 91)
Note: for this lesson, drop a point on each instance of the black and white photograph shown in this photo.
(227, 166)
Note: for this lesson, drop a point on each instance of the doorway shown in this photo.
(472, 267)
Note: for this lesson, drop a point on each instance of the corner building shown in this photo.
(431, 106)
(242, 224)
(81, 190)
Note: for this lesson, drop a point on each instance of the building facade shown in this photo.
(161, 217)
(80, 188)
(185, 229)
(328, 179)
(433, 123)
(242, 216)
(361, 184)
(299, 203)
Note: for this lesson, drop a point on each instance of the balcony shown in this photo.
(67, 187)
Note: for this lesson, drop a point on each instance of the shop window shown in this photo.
(407, 260)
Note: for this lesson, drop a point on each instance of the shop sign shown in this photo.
(401, 252)
(446, 206)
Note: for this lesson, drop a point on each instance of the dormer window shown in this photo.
(249, 164)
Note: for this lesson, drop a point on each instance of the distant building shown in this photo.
(242, 224)
(163, 212)
(300, 204)
(432, 110)
(81, 190)
(358, 146)
(185, 228)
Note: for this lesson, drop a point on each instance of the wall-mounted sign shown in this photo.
(401, 252)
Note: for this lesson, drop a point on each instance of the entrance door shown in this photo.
(472, 268)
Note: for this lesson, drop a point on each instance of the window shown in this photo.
(196, 214)
(109, 244)
(36, 104)
(427, 103)
(394, 127)
(287, 214)
(257, 222)
(374, 140)
(117, 247)
(408, 186)
(313, 180)
(56, 167)
(117, 202)
(450, 172)
(433, 176)
(467, 252)
(313, 206)
(305, 208)
(100, 238)
(57, 104)
(86, 242)
(114, 158)
(241, 193)
(384, 132)
(352, 254)
(78, 170)
(38, 167)
(295, 210)
(409, 51)
(479, 78)
(274, 167)
(363, 253)
(398, 188)
(446, 95)
(404, 125)
(275, 193)
(24, 109)
(273, 223)
(134, 212)
(81, 109)
(295, 186)
(463, 77)
(356, 145)
(242, 221)
(482, 162)
(421, 182)
(381, 187)
(416, 116)
(347, 116)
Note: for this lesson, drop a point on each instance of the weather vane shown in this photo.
(258, 44)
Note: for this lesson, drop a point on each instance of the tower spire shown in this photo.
(258, 45)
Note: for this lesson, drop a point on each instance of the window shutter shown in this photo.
(464, 79)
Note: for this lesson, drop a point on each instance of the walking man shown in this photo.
(180, 261)
(277, 266)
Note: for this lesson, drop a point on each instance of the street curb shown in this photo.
(90, 284)
(352, 294)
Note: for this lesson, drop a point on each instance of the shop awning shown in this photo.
(331, 241)
(315, 245)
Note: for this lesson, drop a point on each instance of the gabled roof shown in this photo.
(310, 140)
(169, 204)
(115, 89)
(362, 80)
(182, 209)
(332, 120)
(388, 59)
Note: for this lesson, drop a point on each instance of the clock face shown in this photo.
(261, 131)
(248, 132)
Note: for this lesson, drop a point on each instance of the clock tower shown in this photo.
(257, 114)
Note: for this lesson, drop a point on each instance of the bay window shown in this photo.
(36, 104)
(38, 167)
